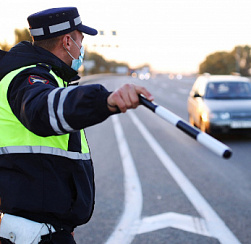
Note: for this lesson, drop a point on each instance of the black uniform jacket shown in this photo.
(48, 188)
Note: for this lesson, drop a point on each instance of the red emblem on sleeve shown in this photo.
(35, 79)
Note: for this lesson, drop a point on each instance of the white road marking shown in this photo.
(131, 224)
(216, 226)
(179, 221)
(124, 234)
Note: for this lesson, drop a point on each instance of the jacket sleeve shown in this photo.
(46, 109)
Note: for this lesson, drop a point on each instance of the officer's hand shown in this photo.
(126, 97)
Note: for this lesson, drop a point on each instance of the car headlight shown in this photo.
(204, 116)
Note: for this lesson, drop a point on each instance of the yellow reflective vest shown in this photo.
(16, 138)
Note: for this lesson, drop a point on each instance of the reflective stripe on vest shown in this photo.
(44, 150)
(28, 142)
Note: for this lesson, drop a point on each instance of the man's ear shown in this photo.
(66, 42)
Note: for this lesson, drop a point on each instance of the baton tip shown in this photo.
(227, 154)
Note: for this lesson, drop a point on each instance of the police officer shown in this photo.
(46, 173)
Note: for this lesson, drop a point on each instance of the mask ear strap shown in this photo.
(68, 52)
(75, 42)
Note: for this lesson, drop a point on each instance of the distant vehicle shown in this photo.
(143, 73)
(220, 104)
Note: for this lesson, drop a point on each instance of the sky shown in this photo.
(169, 35)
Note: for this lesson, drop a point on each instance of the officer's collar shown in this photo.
(60, 68)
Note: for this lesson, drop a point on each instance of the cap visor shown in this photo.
(87, 30)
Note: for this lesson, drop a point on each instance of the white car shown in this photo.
(220, 104)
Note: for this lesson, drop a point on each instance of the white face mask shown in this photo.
(76, 63)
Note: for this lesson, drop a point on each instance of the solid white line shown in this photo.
(124, 233)
(216, 226)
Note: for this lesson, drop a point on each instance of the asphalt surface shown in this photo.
(200, 198)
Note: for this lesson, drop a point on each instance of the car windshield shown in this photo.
(228, 90)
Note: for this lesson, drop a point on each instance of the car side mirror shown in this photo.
(196, 95)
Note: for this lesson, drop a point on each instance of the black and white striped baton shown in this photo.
(203, 138)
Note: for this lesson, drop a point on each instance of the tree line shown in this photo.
(223, 63)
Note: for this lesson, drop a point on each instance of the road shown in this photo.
(156, 185)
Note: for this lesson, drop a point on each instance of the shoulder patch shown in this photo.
(35, 79)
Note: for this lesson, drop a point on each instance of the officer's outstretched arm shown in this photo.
(126, 97)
